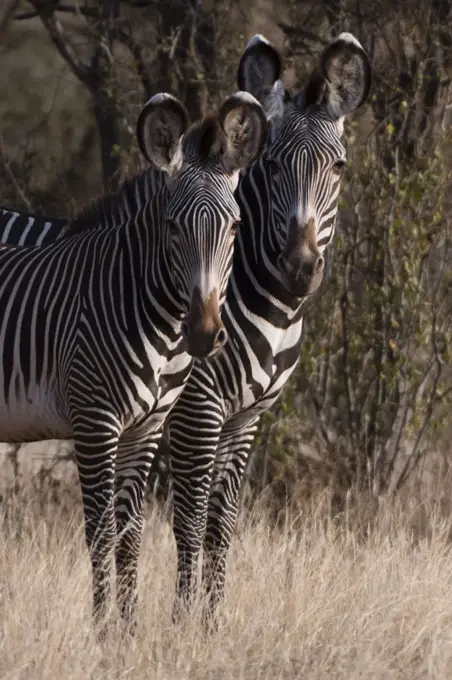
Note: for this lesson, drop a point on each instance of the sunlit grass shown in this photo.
(311, 603)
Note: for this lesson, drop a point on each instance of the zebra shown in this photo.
(288, 201)
(99, 330)
(288, 204)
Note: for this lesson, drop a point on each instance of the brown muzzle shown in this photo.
(300, 264)
(202, 328)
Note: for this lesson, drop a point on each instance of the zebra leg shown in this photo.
(96, 465)
(194, 435)
(231, 458)
(132, 470)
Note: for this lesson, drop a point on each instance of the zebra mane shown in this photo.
(108, 209)
(204, 138)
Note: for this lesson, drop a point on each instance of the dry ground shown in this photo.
(313, 603)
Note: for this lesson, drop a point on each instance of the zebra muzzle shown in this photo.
(301, 265)
(202, 328)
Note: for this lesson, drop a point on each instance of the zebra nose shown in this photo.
(287, 267)
(202, 327)
(282, 264)
(221, 338)
(314, 267)
(312, 270)
(203, 342)
(301, 276)
(301, 269)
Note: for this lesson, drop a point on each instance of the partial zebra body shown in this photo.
(40, 362)
(288, 202)
(25, 229)
(99, 329)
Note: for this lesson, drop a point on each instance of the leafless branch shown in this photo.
(417, 453)
(136, 50)
(12, 178)
(344, 303)
(7, 14)
(57, 34)
(31, 14)
(92, 12)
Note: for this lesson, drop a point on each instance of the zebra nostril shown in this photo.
(319, 264)
(221, 337)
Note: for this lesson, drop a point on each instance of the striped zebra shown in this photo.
(288, 202)
(98, 330)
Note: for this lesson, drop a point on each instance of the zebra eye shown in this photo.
(338, 166)
(275, 169)
(172, 228)
(234, 226)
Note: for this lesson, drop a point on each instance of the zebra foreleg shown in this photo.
(193, 441)
(132, 470)
(232, 455)
(191, 479)
(95, 463)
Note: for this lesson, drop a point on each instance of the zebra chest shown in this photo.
(154, 397)
(265, 367)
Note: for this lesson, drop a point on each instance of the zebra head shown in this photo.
(202, 163)
(305, 156)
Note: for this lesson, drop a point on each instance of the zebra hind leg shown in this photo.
(231, 458)
(132, 471)
(96, 472)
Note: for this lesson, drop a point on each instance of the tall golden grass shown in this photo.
(316, 599)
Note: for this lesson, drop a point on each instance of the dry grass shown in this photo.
(312, 603)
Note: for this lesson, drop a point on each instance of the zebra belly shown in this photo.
(39, 414)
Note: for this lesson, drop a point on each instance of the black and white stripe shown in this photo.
(288, 203)
(91, 326)
(26, 229)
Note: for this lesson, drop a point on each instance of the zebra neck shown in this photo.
(149, 252)
(132, 262)
(255, 275)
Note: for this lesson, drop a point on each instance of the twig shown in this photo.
(31, 14)
(12, 178)
(69, 9)
(7, 15)
(301, 33)
(137, 53)
(417, 452)
(57, 34)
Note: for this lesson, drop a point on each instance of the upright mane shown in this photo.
(107, 210)
(204, 138)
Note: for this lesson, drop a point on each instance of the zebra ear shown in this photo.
(343, 80)
(162, 122)
(244, 125)
(259, 73)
